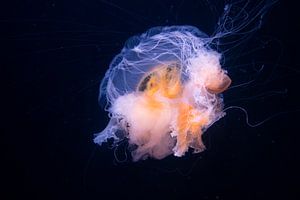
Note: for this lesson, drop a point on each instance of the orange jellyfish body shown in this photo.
(165, 82)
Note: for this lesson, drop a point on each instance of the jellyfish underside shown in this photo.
(162, 116)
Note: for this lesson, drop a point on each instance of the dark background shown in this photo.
(54, 55)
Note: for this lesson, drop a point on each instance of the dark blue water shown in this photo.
(54, 55)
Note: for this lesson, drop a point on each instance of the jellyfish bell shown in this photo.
(163, 92)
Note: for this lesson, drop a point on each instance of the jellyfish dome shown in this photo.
(163, 91)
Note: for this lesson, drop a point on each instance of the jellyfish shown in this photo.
(163, 91)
